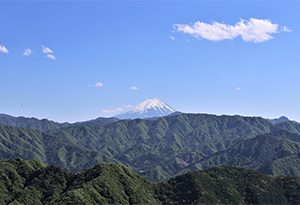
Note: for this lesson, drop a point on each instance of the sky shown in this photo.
(79, 60)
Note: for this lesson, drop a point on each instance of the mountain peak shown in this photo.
(279, 120)
(152, 107)
(154, 103)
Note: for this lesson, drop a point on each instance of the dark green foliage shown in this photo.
(113, 184)
(21, 143)
(290, 126)
(157, 148)
(46, 125)
(13, 177)
(275, 153)
(30, 182)
(31, 123)
(226, 185)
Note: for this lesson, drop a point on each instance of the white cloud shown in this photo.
(238, 88)
(49, 53)
(172, 37)
(134, 88)
(50, 56)
(127, 107)
(47, 50)
(27, 52)
(286, 29)
(98, 85)
(253, 30)
(3, 49)
(117, 110)
(112, 111)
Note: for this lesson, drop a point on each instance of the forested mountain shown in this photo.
(59, 150)
(261, 153)
(229, 185)
(293, 127)
(279, 120)
(45, 125)
(162, 147)
(31, 123)
(31, 182)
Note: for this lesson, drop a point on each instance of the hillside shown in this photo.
(30, 182)
(229, 185)
(291, 126)
(157, 148)
(56, 150)
(263, 153)
(31, 123)
(45, 125)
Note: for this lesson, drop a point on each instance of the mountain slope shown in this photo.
(45, 125)
(62, 151)
(31, 123)
(264, 153)
(27, 182)
(163, 147)
(157, 148)
(279, 120)
(148, 109)
(228, 185)
(30, 182)
(21, 143)
(290, 126)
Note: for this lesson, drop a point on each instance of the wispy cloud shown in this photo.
(47, 50)
(172, 37)
(112, 111)
(117, 110)
(3, 49)
(286, 29)
(98, 85)
(238, 88)
(252, 30)
(49, 53)
(134, 88)
(27, 52)
(50, 56)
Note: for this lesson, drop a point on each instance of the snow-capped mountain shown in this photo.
(147, 109)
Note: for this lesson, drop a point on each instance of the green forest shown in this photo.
(32, 182)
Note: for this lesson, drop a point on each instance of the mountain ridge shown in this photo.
(158, 148)
(279, 120)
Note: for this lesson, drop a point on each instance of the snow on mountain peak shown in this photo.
(152, 107)
(152, 103)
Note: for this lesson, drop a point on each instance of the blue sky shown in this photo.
(89, 59)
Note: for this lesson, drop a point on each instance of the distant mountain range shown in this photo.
(34, 183)
(154, 107)
(148, 109)
(31, 123)
(157, 148)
